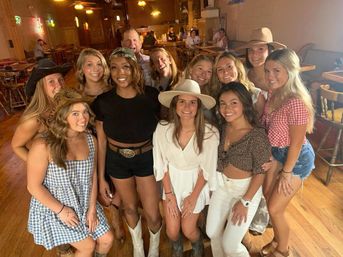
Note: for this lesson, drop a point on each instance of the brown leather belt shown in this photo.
(131, 151)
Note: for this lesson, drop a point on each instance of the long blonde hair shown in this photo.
(175, 73)
(81, 61)
(241, 76)
(40, 104)
(208, 89)
(294, 87)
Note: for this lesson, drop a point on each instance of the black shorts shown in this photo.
(117, 166)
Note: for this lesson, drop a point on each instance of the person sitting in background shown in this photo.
(149, 40)
(183, 33)
(39, 50)
(131, 40)
(193, 39)
(171, 37)
(220, 39)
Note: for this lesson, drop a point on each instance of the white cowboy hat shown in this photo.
(261, 36)
(186, 87)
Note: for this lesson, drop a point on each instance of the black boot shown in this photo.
(198, 247)
(177, 247)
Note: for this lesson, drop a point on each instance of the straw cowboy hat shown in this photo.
(186, 87)
(44, 68)
(262, 36)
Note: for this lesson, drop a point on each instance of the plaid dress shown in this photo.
(72, 187)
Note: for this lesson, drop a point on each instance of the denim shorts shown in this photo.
(117, 166)
(305, 162)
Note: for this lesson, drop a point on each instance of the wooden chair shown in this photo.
(15, 89)
(3, 99)
(332, 116)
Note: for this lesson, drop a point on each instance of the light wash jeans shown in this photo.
(226, 240)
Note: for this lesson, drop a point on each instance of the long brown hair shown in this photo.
(56, 138)
(199, 123)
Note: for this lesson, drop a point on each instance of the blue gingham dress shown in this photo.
(72, 187)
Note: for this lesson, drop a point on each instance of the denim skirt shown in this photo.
(305, 162)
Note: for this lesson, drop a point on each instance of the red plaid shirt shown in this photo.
(292, 112)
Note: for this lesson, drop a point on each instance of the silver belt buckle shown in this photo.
(127, 153)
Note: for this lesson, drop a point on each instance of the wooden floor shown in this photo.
(315, 214)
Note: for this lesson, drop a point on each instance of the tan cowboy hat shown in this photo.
(186, 87)
(260, 36)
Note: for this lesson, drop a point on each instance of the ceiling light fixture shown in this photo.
(89, 11)
(155, 13)
(141, 3)
(78, 7)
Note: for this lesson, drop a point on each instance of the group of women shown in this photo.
(223, 138)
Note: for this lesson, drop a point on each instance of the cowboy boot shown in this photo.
(154, 243)
(177, 247)
(137, 240)
(117, 224)
(198, 247)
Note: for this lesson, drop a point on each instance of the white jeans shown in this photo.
(226, 239)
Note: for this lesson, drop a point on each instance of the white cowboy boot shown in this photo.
(154, 243)
(137, 240)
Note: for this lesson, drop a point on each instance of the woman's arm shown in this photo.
(259, 105)
(190, 201)
(296, 134)
(104, 189)
(23, 134)
(91, 213)
(37, 163)
(169, 194)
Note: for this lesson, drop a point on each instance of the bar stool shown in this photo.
(15, 89)
(332, 116)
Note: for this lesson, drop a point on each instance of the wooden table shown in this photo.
(336, 75)
(22, 66)
(213, 50)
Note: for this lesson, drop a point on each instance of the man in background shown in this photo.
(131, 40)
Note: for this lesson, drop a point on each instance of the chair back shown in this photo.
(332, 104)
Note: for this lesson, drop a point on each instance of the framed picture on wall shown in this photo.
(235, 1)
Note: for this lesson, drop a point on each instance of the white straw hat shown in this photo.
(186, 87)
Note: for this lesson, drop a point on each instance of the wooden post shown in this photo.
(10, 30)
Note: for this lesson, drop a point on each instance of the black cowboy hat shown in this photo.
(44, 68)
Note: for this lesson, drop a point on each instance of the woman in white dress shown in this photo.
(185, 156)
